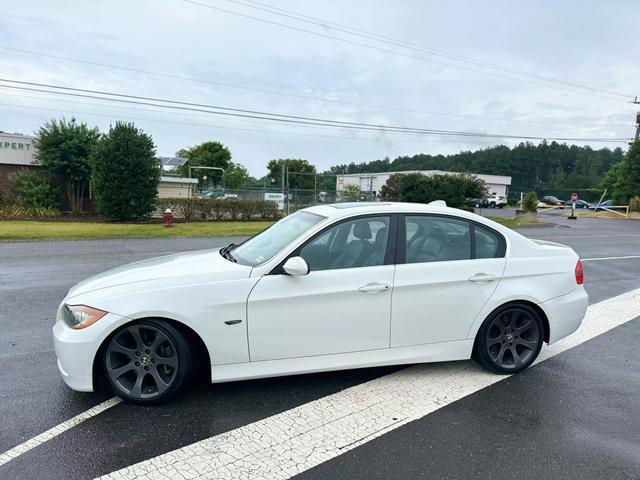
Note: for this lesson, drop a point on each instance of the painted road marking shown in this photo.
(604, 235)
(609, 258)
(291, 442)
(57, 430)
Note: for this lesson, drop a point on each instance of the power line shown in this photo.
(269, 116)
(274, 92)
(412, 46)
(395, 52)
(226, 127)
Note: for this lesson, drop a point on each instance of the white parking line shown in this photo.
(291, 442)
(57, 430)
(609, 258)
(604, 235)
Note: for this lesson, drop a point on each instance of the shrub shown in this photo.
(634, 204)
(228, 209)
(125, 173)
(267, 209)
(453, 189)
(185, 207)
(203, 207)
(13, 210)
(35, 190)
(530, 202)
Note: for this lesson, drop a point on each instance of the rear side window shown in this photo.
(436, 239)
(489, 244)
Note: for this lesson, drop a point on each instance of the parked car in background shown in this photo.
(580, 204)
(606, 203)
(551, 200)
(329, 287)
(476, 202)
(496, 201)
(220, 195)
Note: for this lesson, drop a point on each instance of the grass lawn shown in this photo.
(35, 230)
(514, 223)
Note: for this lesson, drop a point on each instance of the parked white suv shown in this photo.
(496, 201)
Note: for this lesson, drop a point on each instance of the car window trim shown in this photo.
(401, 250)
(389, 255)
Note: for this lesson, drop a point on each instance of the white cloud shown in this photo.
(596, 46)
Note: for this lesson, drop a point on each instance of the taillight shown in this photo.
(579, 273)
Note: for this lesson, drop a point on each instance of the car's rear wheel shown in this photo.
(492, 204)
(510, 339)
(147, 362)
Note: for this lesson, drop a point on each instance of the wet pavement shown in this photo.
(576, 414)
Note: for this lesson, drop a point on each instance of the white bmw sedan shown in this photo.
(329, 287)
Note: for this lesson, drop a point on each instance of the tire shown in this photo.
(477, 205)
(501, 205)
(147, 362)
(510, 339)
(492, 204)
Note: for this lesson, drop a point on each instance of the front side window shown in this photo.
(436, 239)
(356, 243)
(265, 245)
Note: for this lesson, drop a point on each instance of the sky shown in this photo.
(253, 59)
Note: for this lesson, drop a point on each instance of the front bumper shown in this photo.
(76, 349)
(565, 313)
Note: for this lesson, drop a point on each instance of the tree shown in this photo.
(125, 173)
(530, 166)
(623, 179)
(530, 202)
(63, 148)
(351, 193)
(453, 189)
(300, 173)
(207, 154)
(390, 190)
(235, 176)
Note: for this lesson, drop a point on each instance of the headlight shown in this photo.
(81, 316)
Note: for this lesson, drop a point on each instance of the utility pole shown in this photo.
(637, 136)
(287, 194)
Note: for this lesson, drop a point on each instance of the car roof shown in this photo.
(348, 209)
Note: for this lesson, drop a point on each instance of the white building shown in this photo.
(373, 182)
(16, 149)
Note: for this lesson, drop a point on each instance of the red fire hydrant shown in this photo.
(168, 218)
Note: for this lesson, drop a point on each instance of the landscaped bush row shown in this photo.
(13, 210)
(229, 209)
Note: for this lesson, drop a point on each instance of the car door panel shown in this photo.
(447, 271)
(438, 301)
(322, 313)
(342, 305)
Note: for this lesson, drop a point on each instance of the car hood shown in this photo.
(180, 268)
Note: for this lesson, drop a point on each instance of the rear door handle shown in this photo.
(374, 287)
(482, 277)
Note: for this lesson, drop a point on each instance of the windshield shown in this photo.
(265, 245)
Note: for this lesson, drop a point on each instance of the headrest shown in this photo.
(362, 230)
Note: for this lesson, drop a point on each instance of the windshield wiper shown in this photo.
(226, 253)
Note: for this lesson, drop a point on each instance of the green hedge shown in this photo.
(212, 209)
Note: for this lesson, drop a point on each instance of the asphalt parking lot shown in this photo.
(574, 415)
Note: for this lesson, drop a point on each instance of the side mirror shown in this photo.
(296, 266)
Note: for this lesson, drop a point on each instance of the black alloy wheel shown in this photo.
(147, 362)
(510, 339)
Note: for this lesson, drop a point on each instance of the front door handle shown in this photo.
(482, 277)
(374, 287)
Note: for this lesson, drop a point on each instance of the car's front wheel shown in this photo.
(510, 339)
(147, 362)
